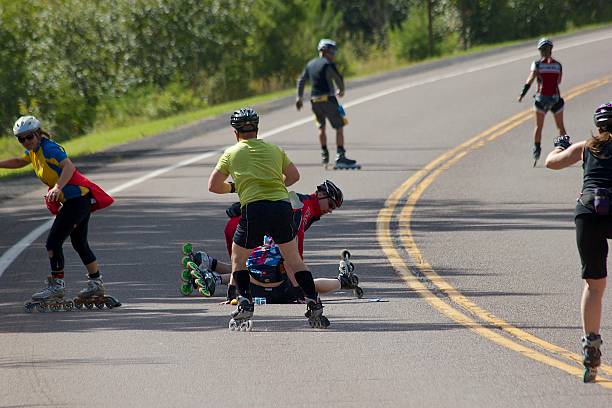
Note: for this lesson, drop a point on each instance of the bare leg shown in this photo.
(591, 305)
(559, 122)
(340, 137)
(537, 132)
(326, 285)
(92, 267)
(322, 137)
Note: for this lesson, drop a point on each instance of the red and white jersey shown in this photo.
(548, 72)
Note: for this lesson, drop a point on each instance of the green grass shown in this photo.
(105, 139)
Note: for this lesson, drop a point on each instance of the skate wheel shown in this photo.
(187, 248)
(186, 289)
(184, 261)
(246, 326)
(29, 307)
(41, 308)
(345, 254)
(100, 304)
(68, 305)
(89, 305)
(204, 292)
(78, 303)
(186, 275)
(358, 292)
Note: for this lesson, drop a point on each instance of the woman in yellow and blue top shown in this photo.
(70, 197)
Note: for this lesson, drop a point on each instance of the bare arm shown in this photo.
(559, 159)
(14, 163)
(217, 184)
(67, 171)
(292, 175)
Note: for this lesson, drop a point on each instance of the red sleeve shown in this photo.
(230, 229)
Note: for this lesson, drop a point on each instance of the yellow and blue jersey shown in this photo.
(45, 161)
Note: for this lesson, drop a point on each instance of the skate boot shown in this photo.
(343, 162)
(348, 280)
(241, 317)
(50, 298)
(95, 295)
(325, 157)
(592, 356)
(314, 313)
(204, 280)
(537, 150)
(201, 258)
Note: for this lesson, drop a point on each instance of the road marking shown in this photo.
(12, 253)
(415, 187)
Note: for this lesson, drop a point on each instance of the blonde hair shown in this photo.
(597, 143)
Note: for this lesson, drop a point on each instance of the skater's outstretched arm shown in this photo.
(14, 163)
(559, 159)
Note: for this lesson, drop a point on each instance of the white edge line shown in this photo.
(12, 253)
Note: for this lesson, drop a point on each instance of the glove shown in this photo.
(563, 142)
(299, 103)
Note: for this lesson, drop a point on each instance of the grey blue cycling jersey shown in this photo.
(322, 74)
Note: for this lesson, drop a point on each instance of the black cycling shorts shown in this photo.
(592, 233)
(328, 109)
(282, 294)
(544, 104)
(273, 218)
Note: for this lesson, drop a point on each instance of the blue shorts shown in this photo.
(544, 104)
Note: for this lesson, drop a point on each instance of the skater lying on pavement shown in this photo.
(268, 278)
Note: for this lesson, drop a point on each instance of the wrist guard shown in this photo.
(525, 89)
(562, 142)
(231, 292)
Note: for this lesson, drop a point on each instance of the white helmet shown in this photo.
(26, 124)
(544, 42)
(327, 45)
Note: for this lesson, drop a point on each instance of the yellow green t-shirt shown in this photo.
(257, 169)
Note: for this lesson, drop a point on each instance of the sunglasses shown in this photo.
(29, 137)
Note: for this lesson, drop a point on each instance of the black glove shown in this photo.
(231, 292)
(299, 104)
(563, 142)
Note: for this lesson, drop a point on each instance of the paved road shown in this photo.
(491, 320)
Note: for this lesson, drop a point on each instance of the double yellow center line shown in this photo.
(394, 234)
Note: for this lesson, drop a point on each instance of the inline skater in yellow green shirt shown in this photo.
(261, 172)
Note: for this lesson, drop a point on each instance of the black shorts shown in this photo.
(328, 109)
(544, 104)
(273, 218)
(282, 294)
(592, 234)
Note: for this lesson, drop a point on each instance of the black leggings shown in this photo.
(73, 221)
(592, 234)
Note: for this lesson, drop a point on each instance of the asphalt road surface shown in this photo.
(468, 247)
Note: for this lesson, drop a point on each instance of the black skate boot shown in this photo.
(348, 280)
(592, 356)
(343, 162)
(537, 150)
(314, 313)
(241, 317)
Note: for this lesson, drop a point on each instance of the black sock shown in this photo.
(95, 275)
(242, 281)
(304, 279)
(324, 147)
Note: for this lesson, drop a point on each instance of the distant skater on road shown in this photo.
(71, 198)
(322, 74)
(261, 172)
(593, 224)
(548, 73)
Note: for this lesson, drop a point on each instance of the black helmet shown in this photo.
(245, 120)
(603, 117)
(332, 191)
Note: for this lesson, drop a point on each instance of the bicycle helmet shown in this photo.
(26, 125)
(603, 117)
(544, 42)
(332, 191)
(245, 120)
(327, 45)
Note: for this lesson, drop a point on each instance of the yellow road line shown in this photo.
(420, 181)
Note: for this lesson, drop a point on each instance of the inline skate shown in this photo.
(325, 158)
(50, 299)
(536, 151)
(204, 280)
(591, 357)
(188, 284)
(343, 163)
(314, 313)
(348, 280)
(241, 317)
(95, 295)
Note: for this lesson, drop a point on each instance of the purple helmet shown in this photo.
(603, 117)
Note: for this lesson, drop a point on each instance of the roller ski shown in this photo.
(50, 299)
(203, 280)
(536, 152)
(348, 280)
(344, 163)
(94, 295)
(241, 317)
(188, 284)
(314, 313)
(591, 357)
